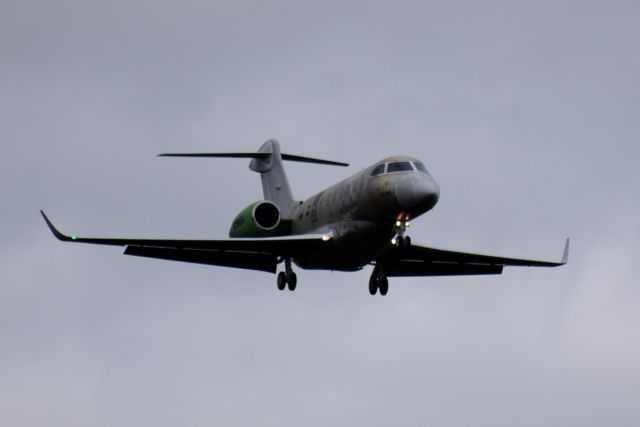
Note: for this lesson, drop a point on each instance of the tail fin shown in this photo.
(268, 162)
(275, 184)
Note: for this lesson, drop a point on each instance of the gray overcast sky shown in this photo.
(526, 113)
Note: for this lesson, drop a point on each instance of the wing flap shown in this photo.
(409, 269)
(425, 261)
(246, 260)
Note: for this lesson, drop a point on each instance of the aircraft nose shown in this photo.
(418, 196)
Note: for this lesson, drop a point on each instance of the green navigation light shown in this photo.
(74, 237)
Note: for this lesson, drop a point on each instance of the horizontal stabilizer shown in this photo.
(294, 158)
(260, 156)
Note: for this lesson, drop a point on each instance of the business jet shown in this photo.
(360, 221)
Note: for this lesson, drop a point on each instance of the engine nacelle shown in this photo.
(259, 219)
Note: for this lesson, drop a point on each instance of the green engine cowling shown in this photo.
(259, 219)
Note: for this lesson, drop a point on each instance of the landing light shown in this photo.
(326, 237)
(394, 241)
(406, 224)
(398, 223)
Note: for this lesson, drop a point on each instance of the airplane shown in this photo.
(360, 221)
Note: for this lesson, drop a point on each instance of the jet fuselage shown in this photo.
(361, 212)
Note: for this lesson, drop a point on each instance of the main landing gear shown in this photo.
(287, 277)
(378, 281)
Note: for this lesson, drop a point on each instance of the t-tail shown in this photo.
(267, 161)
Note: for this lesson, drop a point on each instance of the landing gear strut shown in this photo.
(378, 281)
(287, 277)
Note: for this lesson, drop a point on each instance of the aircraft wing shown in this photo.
(424, 261)
(254, 254)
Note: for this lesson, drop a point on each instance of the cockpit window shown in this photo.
(378, 170)
(420, 167)
(399, 167)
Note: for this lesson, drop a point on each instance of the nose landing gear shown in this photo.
(287, 277)
(399, 239)
(378, 281)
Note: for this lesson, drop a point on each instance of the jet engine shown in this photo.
(259, 219)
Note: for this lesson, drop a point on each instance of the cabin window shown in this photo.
(420, 167)
(378, 170)
(399, 167)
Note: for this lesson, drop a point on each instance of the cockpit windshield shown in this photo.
(420, 167)
(378, 170)
(399, 167)
(394, 167)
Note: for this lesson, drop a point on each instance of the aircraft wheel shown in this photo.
(282, 280)
(292, 281)
(384, 285)
(406, 242)
(373, 286)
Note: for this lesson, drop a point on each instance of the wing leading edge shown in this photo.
(425, 261)
(261, 254)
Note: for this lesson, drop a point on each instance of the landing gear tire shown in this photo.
(282, 280)
(383, 285)
(292, 281)
(378, 281)
(373, 286)
(405, 242)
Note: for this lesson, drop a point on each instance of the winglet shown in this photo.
(565, 253)
(55, 231)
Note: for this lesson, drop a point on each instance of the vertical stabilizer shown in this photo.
(275, 185)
